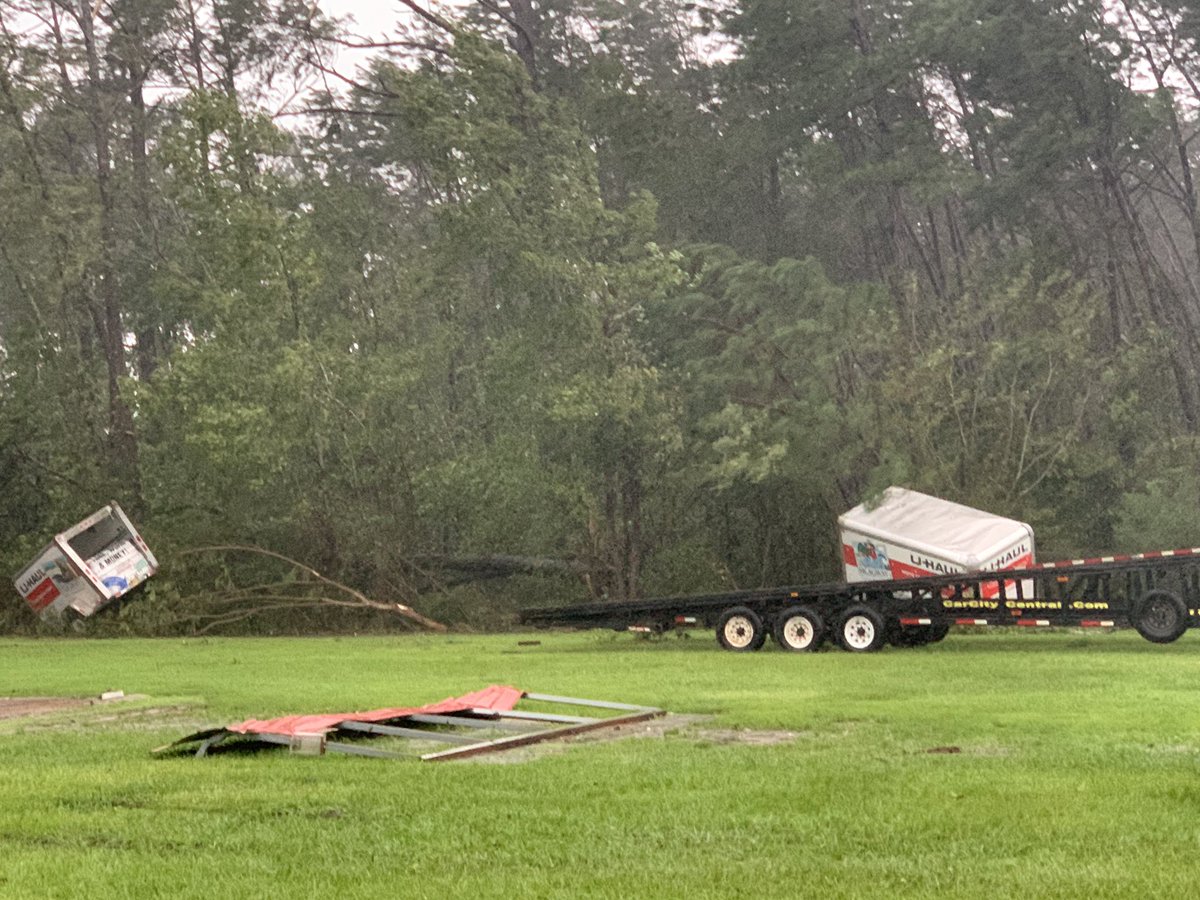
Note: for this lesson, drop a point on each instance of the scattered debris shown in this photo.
(112, 695)
(486, 721)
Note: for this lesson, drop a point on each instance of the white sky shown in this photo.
(372, 19)
(378, 20)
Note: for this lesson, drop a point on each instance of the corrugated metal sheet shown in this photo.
(495, 697)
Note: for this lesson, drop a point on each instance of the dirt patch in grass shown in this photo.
(747, 736)
(672, 724)
(128, 712)
(23, 707)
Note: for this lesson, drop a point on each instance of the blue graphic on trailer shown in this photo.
(872, 560)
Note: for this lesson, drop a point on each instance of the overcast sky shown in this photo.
(376, 19)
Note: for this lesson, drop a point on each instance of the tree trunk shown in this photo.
(107, 305)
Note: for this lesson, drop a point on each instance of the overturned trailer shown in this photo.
(88, 567)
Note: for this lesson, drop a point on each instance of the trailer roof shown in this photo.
(949, 530)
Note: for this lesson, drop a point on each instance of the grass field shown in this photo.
(1076, 773)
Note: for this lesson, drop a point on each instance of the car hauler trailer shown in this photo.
(1156, 593)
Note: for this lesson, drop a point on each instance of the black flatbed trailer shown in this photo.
(1157, 593)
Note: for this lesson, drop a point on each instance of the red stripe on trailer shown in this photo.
(916, 621)
(970, 621)
(1030, 623)
(1096, 623)
(685, 620)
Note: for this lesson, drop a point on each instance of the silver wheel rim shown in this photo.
(738, 631)
(797, 633)
(858, 632)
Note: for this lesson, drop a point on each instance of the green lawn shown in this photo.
(1077, 774)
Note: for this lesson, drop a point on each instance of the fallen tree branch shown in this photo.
(360, 599)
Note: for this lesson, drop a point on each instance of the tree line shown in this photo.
(563, 300)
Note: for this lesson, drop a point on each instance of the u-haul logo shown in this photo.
(29, 582)
(1011, 559)
(933, 566)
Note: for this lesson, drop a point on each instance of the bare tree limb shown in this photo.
(362, 600)
(432, 17)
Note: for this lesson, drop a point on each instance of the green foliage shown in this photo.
(653, 291)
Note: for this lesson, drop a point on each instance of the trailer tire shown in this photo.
(861, 630)
(799, 629)
(740, 629)
(1160, 616)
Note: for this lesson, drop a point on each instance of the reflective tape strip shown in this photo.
(1031, 623)
(642, 629)
(1121, 557)
(970, 621)
(685, 620)
(1096, 623)
(916, 621)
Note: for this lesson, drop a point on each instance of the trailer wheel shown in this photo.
(918, 635)
(799, 630)
(1160, 616)
(861, 630)
(740, 629)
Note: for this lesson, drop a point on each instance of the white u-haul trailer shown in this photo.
(907, 534)
(87, 567)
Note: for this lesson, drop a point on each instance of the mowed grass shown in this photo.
(1076, 772)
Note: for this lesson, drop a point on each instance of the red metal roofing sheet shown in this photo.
(496, 697)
